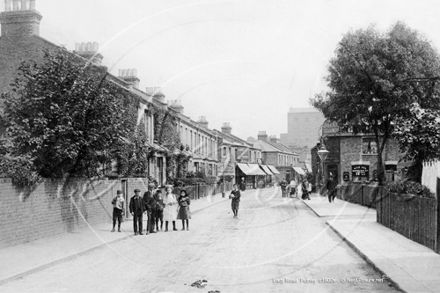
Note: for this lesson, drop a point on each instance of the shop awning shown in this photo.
(299, 170)
(273, 169)
(245, 169)
(266, 169)
(255, 169)
(309, 168)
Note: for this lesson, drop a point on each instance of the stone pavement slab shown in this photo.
(410, 266)
(24, 259)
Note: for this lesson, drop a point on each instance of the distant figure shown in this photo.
(235, 203)
(293, 186)
(170, 209)
(118, 206)
(305, 189)
(283, 185)
(243, 184)
(137, 209)
(184, 213)
(331, 188)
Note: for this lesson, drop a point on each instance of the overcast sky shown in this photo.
(243, 62)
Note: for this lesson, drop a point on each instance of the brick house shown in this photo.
(20, 40)
(276, 154)
(353, 157)
(240, 157)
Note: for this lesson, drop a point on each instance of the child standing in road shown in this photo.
(184, 213)
(118, 207)
(235, 203)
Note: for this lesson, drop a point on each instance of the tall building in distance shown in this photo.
(302, 127)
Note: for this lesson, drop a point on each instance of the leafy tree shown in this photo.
(374, 80)
(66, 117)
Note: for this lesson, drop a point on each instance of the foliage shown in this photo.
(374, 80)
(65, 118)
(408, 187)
(20, 170)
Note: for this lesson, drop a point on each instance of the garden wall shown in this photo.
(55, 207)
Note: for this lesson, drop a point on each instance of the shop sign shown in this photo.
(346, 176)
(360, 170)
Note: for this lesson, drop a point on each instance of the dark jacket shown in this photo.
(149, 202)
(330, 185)
(184, 201)
(237, 195)
(137, 205)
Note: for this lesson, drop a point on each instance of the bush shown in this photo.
(408, 187)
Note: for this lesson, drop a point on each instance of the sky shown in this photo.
(243, 62)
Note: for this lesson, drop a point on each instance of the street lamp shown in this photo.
(322, 153)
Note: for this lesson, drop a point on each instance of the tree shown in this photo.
(374, 80)
(66, 117)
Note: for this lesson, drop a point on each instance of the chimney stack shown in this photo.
(274, 139)
(89, 51)
(129, 76)
(226, 128)
(203, 122)
(20, 19)
(176, 105)
(262, 135)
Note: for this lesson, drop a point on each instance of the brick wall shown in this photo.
(48, 210)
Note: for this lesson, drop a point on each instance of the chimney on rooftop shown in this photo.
(274, 139)
(129, 76)
(176, 105)
(226, 128)
(262, 135)
(203, 122)
(89, 51)
(20, 19)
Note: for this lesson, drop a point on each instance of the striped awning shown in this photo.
(273, 169)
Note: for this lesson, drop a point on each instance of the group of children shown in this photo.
(159, 209)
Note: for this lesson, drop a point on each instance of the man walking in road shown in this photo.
(331, 188)
(283, 185)
(137, 209)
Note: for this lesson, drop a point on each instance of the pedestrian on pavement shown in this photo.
(118, 206)
(170, 210)
(158, 213)
(184, 213)
(150, 207)
(137, 209)
(305, 191)
(243, 184)
(331, 188)
(235, 203)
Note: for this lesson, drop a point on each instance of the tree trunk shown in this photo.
(380, 165)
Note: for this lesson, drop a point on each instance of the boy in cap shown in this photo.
(118, 206)
(150, 206)
(137, 209)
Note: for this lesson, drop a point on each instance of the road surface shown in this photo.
(276, 245)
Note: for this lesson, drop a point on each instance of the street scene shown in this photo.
(219, 146)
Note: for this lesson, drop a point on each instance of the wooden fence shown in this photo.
(365, 195)
(413, 217)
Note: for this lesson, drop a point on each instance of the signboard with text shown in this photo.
(360, 172)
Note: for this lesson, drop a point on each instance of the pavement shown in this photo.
(410, 266)
(24, 259)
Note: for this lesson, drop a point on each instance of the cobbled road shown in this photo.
(276, 245)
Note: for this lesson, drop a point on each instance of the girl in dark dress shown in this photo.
(235, 203)
(184, 213)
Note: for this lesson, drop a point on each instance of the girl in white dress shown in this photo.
(170, 210)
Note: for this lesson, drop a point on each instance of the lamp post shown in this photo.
(322, 153)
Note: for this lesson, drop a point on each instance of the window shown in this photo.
(369, 146)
